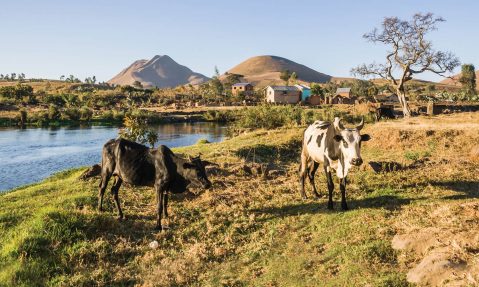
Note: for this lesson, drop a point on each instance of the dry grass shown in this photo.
(255, 230)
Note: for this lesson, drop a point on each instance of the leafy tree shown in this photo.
(363, 88)
(317, 90)
(62, 77)
(216, 85)
(53, 113)
(136, 129)
(137, 84)
(293, 78)
(23, 117)
(285, 75)
(86, 114)
(409, 54)
(468, 79)
(8, 92)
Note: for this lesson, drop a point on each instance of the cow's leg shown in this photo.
(342, 186)
(302, 173)
(105, 177)
(165, 205)
(329, 178)
(311, 173)
(160, 192)
(114, 190)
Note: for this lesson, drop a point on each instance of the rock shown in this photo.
(154, 244)
(93, 171)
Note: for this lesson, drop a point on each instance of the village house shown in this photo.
(343, 96)
(283, 94)
(315, 100)
(386, 97)
(305, 92)
(245, 88)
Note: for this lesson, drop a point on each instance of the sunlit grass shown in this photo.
(247, 230)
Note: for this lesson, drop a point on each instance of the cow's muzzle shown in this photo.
(357, 161)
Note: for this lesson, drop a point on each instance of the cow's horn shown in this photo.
(361, 124)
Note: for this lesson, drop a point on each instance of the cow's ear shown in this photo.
(188, 165)
(365, 137)
(338, 138)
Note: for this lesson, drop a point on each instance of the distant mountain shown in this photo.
(455, 79)
(266, 70)
(160, 71)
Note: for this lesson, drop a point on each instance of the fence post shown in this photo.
(430, 108)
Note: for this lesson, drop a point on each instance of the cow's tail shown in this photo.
(301, 154)
(101, 171)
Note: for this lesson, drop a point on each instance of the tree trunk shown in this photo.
(402, 100)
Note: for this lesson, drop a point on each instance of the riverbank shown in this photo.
(252, 228)
(38, 119)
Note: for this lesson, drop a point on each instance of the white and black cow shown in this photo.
(337, 148)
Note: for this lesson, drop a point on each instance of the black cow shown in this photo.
(139, 165)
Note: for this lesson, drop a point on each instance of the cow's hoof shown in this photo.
(330, 206)
(158, 228)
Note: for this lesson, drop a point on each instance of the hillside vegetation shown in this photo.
(252, 228)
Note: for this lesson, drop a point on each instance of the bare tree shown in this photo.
(409, 53)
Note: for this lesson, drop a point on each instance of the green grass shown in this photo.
(246, 231)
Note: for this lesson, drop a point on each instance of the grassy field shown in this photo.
(417, 223)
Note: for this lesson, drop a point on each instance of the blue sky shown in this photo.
(52, 38)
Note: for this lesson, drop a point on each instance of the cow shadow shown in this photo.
(388, 202)
(464, 188)
(264, 153)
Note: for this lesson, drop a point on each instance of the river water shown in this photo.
(30, 155)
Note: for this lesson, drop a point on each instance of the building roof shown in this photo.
(302, 87)
(284, 88)
(343, 90)
(241, 84)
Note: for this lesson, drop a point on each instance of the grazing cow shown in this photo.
(384, 112)
(138, 165)
(337, 148)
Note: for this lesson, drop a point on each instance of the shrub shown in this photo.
(53, 113)
(72, 114)
(23, 117)
(218, 116)
(86, 114)
(136, 129)
(203, 141)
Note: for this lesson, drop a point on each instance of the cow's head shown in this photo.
(194, 172)
(350, 141)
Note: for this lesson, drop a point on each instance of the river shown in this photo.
(30, 155)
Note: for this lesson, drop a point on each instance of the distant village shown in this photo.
(301, 94)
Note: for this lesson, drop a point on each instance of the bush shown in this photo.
(219, 116)
(23, 117)
(72, 114)
(53, 113)
(136, 129)
(86, 114)
(269, 116)
(203, 141)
